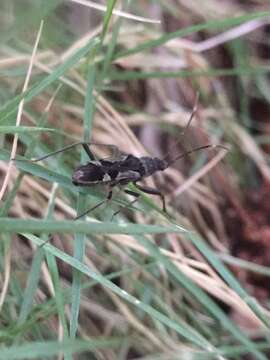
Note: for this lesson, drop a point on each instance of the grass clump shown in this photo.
(143, 285)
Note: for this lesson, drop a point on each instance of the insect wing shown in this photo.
(116, 172)
(107, 151)
(90, 173)
(122, 171)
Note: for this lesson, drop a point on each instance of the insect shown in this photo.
(121, 170)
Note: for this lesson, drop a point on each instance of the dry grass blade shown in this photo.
(120, 13)
(20, 110)
(162, 293)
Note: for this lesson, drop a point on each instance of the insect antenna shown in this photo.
(187, 153)
(194, 110)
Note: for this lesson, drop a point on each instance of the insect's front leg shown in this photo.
(152, 191)
(108, 198)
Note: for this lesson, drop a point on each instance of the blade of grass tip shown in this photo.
(24, 129)
(111, 47)
(79, 246)
(107, 17)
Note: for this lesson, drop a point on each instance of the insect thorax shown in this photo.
(152, 165)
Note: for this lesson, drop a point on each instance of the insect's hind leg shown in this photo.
(129, 192)
(152, 191)
(66, 148)
(85, 145)
(108, 198)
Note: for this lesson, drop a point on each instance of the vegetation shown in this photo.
(190, 284)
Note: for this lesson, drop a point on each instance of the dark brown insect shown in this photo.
(122, 169)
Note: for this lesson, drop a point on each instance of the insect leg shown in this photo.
(152, 191)
(109, 196)
(88, 151)
(86, 147)
(182, 135)
(132, 193)
(69, 147)
(53, 153)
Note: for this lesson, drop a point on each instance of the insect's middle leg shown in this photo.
(129, 192)
(152, 191)
(109, 196)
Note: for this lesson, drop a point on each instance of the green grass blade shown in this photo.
(227, 276)
(37, 88)
(244, 264)
(84, 227)
(32, 285)
(200, 295)
(107, 17)
(210, 25)
(39, 350)
(79, 245)
(25, 129)
(142, 75)
(184, 331)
